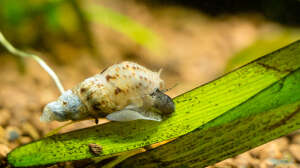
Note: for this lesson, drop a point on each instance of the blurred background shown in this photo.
(193, 41)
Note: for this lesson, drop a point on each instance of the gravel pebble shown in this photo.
(296, 139)
(27, 128)
(5, 116)
(25, 139)
(12, 133)
(4, 150)
(295, 151)
(270, 150)
(2, 135)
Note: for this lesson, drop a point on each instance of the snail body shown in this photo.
(122, 92)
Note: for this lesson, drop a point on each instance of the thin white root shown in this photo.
(40, 61)
(56, 130)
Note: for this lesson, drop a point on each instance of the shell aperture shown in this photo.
(122, 92)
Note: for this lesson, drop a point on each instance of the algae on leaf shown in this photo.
(247, 107)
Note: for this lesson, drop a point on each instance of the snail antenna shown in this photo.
(175, 85)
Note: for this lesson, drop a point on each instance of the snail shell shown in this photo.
(122, 92)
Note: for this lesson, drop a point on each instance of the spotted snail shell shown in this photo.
(122, 92)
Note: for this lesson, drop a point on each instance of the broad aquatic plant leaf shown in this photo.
(270, 114)
(193, 109)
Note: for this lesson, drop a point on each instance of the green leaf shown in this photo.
(13, 11)
(270, 114)
(267, 43)
(121, 23)
(201, 105)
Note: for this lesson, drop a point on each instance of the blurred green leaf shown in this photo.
(266, 44)
(193, 109)
(13, 11)
(61, 16)
(121, 23)
(52, 16)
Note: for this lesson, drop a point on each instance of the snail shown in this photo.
(122, 92)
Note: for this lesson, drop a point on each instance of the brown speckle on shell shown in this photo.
(96, 106)
(82, 90)
(95, 149)
(89, 96)
(108, 77)
(103, 102)
(117, 90)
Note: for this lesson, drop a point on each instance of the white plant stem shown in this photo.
(40, 61)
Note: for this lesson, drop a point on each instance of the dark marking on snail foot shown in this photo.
(96, 121)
